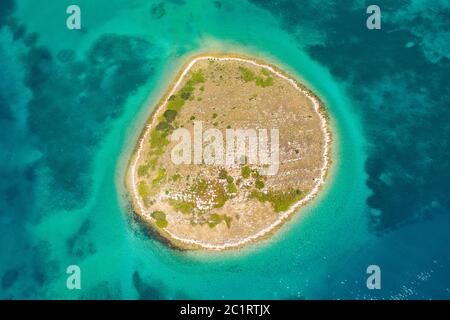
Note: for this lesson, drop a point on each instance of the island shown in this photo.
(231, 151)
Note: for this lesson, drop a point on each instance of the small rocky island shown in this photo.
(232, 150)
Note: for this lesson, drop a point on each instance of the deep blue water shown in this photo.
(72, 102)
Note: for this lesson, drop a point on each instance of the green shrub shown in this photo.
(265, 72)
(158, 215)
(200, 187)
(215, 219)
(152, 163)
(160, 218)
(259, 184)
(160, 176)
(158, 139)
(144, 191)
(176, 177)
(246, 171)
(183, 206)
(185, 95)
(143, 170)
(281, 201)
(223, 174)
(246, 74)
(221, 198)
(176, 103)
(232, 187)
(196, 77)
(170, 115)
(163, 126)
(264, 82)
(162, 223)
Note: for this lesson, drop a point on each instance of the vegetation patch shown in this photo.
(177, 101)
(182, 206)
(158, 140)
(160, 177)
(160, 218)
(176, 177)
(262, 81)
(223, 174)
(232, 187)
(159, 136)
(143, 170)
(246, 172)
(144, 191)
(221, 196)
(246, 74)
(259, 184)
(215, 219)
(280, 200)
(170, 115)
(210, 191)
(265, 72)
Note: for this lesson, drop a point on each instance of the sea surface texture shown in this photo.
(72, 103)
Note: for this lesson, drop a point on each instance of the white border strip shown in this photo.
(283, 215)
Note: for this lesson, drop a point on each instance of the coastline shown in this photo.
(189, 244)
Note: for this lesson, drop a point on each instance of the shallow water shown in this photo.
(73, 102)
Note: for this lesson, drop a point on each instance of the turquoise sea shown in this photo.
(72, 103)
